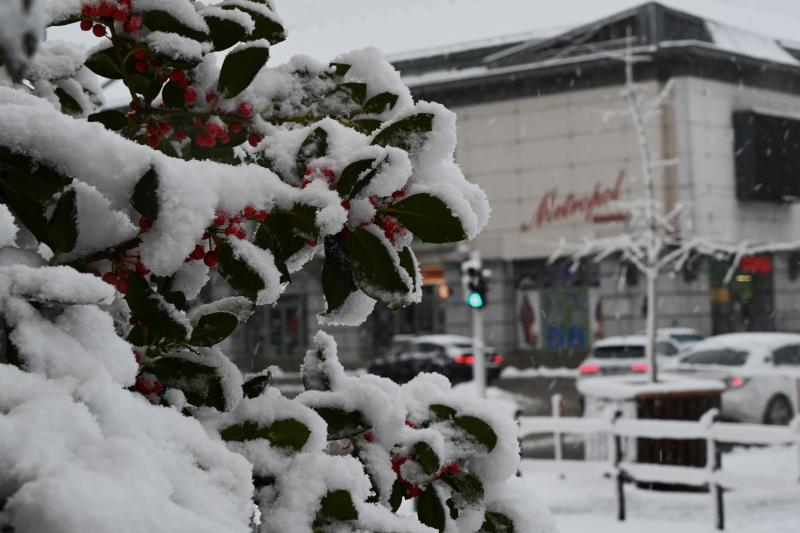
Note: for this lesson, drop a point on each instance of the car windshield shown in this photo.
(724, 357)
(688, 337)
(619, 352)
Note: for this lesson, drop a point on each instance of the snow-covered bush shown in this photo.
(117, 411)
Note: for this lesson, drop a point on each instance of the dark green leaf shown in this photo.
(237, 272)
(406, 133)
(398, 493)
(340, 69)
(239, 69)
(451, 505)
(201, 384)
(468, 486)
(352, 174)
(267, 241)
(409, 262)
(151, 308)
(255, 387)
(137, 336)
(111, 118)
(366, 125)
(496, 523)
(429, 508)
(313, 147)
(338, 505)
(172, 94)
(178, 299)
(287, 433)
(62, 230)
(141, 84)
(158, 20)
(337, 274)
(380, 103)
(69, 105)
(478, 430)
(104, 64)
(225, 32)
(372, 264)
(145, 195)
(213, 328)
(266, 27)
(429, 218)
(426, 457)
(357, 91)
(443, 412)
(342, 424)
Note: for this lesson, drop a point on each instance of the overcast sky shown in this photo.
(325, 28)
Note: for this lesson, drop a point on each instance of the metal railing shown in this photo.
(708, 428)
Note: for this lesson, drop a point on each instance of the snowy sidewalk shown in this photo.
(582, 503)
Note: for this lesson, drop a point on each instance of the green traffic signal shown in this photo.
(475, 300)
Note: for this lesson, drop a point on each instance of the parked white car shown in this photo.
(626, 355)
(685, 337)
(761, 372)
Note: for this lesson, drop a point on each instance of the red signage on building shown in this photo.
(555, 206)
(756, 264)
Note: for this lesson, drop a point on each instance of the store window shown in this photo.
(745, 302)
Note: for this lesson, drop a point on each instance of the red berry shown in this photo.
(397, 462)
(183, 83)
(206, 235)
(241, 234)
(122, 285)
(369, 436)
(144, 224)
(153, 140)
(134, 23)
(309, 171)
(413, 491)
(189, 95)
(181, 135)
(119, 15)
(94, 11)
(220, 218)
(198, 252)
(346, 204)
(141, 67)
(178, 75)
(141, 55)
(211, 259)
(253, 139)
(156, 387)
(411, 424)
(235, 219)
(99, 30)
(311, 242)
(231, 230)
(211, 96)
(249, 212)
(305, 183)
(141, 269)
(328, 173)
(96, 273)
(86, 24)
(245, 109)
(142, 385)
(261, 215)
(164, 128)
(106, 10)
(235, 126)
(152, 129)
(399, 193)
(85, 10)
(110, 278)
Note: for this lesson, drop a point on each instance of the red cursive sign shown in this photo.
(552, 207)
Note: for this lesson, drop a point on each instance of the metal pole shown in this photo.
(650, 349)
(479, 366)
(616, 441)
(555, 404)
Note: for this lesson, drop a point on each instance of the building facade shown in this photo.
(543, 129)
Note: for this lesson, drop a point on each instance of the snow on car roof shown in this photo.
(768, 340)
(622, 340)
(443, 339)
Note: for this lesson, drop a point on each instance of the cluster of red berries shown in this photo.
(149, 387)
(125, 263)
(156, 131)
(97, 16)
(313, 173)
(209, 256)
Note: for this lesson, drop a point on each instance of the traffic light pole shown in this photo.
(479, 366)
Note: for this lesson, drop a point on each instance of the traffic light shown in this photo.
(474, 280)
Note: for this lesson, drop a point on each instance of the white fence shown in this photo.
(623, 470)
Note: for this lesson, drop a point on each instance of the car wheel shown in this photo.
(779, 411)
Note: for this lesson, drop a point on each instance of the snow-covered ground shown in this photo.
(584, 503)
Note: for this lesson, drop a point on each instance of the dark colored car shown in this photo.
(449, 355)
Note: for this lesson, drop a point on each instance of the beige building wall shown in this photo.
(520, 150)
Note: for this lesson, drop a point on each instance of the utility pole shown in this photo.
(473, 279)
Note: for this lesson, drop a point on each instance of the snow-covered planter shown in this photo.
(117, 410)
